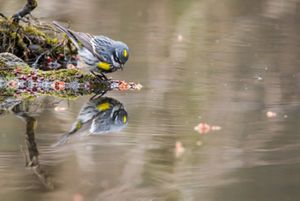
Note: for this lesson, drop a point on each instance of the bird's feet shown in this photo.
(100, 76)
(98, 94)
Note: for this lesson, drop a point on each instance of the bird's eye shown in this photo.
(117, 59)
(125, 53)
(124, 119)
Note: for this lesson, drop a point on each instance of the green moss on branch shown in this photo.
(37, 44)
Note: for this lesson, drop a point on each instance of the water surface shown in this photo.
(223, 63)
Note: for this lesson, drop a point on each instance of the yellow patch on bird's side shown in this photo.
(125, 53)
(124, 119)
(78, 125)
(103, 106)
(103, 65)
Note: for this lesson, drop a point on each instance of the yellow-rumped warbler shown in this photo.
(100, 115)
(100, 53)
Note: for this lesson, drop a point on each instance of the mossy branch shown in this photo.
(27, 9)
(37, 44)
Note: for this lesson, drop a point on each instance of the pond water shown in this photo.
(232, 64)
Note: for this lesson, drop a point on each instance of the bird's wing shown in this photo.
(100, 124)
(85, 40)
(71, 34)
(99, 46)
(102, 48)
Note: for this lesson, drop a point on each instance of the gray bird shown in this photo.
(100, 53)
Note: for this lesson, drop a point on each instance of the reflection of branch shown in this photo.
(30, 6)
(31, 154)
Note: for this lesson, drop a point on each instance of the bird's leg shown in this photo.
(101, 76)
(102, 79)
(104, 76)
(97, 95)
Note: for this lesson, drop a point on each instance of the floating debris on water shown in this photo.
(199, 143)
(78, 197)
(258, 77)
(179, 37)
(271, 114)
(204, 128)
(179, 149)
(216, 128)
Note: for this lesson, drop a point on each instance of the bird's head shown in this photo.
(121, 53)
(120, 117)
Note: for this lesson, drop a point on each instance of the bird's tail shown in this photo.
(64, 138)
(69, 33)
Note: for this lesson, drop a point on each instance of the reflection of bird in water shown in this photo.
(100, 115)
